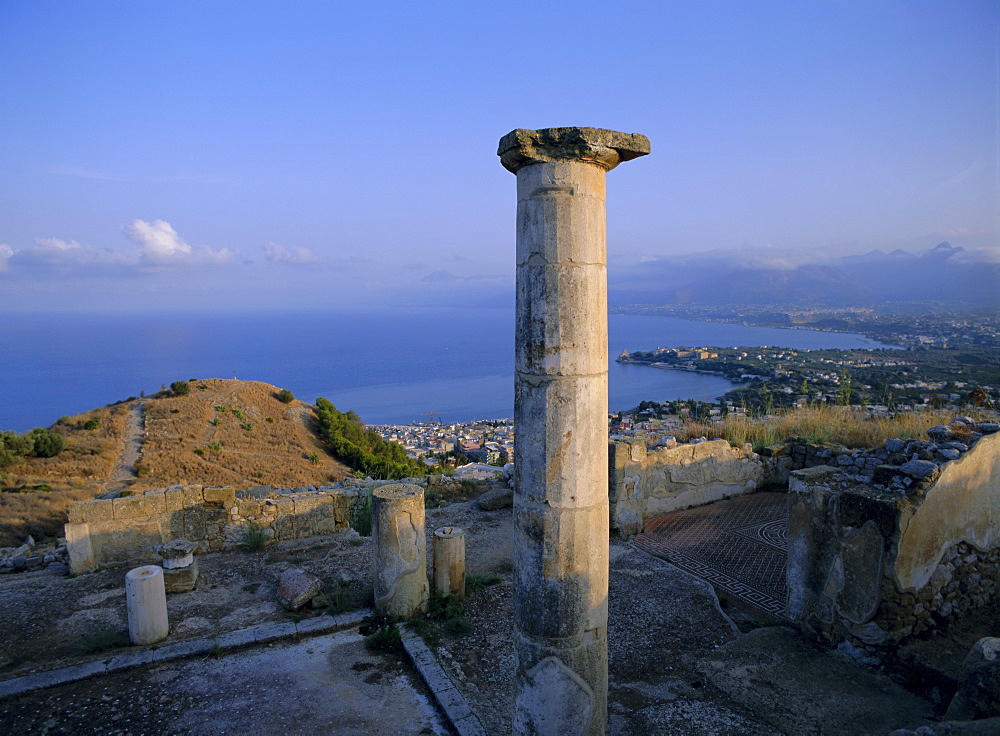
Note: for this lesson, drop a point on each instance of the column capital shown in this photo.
(604, 148)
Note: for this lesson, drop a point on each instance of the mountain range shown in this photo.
(944, 273)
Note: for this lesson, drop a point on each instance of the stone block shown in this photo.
(297, 587)
(341, 508)
(193, 496)
(81, 553)
(498, 498)
(139, 507)
(248, 507)
(219, 496)
(181, 579)
(978, 694)
(313, 505)
(258, 492)
(129, 541)
(193, 523)
(284, 527)
(173, 499)
(176, 553)
(87, 512)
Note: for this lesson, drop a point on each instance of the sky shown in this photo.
(224, 155)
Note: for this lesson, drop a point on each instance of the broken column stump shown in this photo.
(146, 605)
(449, 562)
(400, 555)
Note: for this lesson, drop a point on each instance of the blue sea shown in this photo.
(389, 366)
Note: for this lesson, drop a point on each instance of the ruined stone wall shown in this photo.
(645, 482)
(875, 563)
(122, 531)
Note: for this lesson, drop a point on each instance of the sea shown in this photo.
(391, 366)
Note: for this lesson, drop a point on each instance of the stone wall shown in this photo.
(874, 563)
(645, 482)
(123, 531)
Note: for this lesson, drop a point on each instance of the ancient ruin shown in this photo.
(400, 554)
(560, 419)
(146, 604)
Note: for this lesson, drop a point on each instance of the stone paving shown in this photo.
(738, 545)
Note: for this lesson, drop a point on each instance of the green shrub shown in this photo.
(92, 423)
(180, 388)
(217, 421)
(313, 457)
(141, 471)
(100, 641)
(221, 409)
(285, 396)
(246, 426)
(238, 413)
(384, 639)
(253, 539)
(199, 452)
(215, 446)
(46, 443)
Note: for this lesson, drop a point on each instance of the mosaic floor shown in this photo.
(737, 545)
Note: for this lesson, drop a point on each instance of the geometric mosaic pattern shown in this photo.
(738, 545)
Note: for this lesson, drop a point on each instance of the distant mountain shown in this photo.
(942, 273)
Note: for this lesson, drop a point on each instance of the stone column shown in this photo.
(449, 562)
(560, 425)
(146, 605)
(400, 557)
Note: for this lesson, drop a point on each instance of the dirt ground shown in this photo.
(678, 663)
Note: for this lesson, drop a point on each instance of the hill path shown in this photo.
(124, 470)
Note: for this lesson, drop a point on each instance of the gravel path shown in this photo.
(124, 470)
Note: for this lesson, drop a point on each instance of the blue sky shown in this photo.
(227, 155)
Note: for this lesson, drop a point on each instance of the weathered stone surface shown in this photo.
(918, 469)
(449, 562)
(498, 498)
(645, 482)
(219, 495)
(181, 579)
(400, 554)
(176, 553)
(560, 414)
(604, 148)
(139, 507)
(297, 587)
(962, 504)
(85, 512)
(146, 605)
(978, 694)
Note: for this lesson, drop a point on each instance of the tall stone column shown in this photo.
(560, 425)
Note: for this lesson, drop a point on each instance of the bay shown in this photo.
(390, 366)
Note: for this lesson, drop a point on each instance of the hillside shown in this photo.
(223, 432)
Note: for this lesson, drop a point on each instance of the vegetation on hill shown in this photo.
(38, 442)
(218, 432)
(363, 449)
(849, 427)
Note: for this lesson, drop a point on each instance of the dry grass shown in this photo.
(836, 425)
(276, 452)
(253, 439)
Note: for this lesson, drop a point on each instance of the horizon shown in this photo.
(246, 156)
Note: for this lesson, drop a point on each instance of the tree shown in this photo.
(46, 443)
(285, 396)
(180, 388)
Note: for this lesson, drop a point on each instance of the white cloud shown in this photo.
(5, 253)
(275, 253)
(67, 254)
(160, 245)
